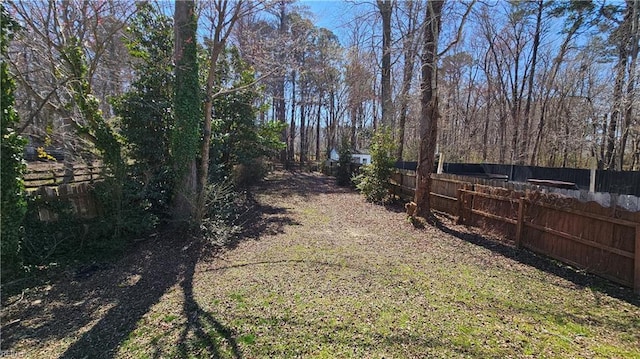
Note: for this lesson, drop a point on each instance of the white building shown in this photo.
(358, 157)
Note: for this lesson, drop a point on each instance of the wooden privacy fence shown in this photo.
(52, 174)
(79, 196)
(600, 240)
(72, 183)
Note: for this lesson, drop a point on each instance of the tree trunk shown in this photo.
(292, 126)
(609, 156)
(303, 125)
(527, 107)
(385, 7)
(219, 41)
(185, 137)
(318, 129)
(354, 120)
(633, 10)
(410, 49)
(331, 121)
(429, 107)
(280, 102)
(489, 96)
(603, 142)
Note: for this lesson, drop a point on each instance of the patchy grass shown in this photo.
(322, 274)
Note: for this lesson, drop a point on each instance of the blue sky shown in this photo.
(328, 14)
(332, 14)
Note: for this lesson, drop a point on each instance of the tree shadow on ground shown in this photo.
(123, 293)
(301, 183)
(205, 328)
(170, 263)
(524, 256)
(262, 219)
(106, 304)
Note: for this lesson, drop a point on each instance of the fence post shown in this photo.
(636, 276)
(460, 206)
(470, 206)
(520, 224)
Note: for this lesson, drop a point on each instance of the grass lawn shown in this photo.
(322, 274)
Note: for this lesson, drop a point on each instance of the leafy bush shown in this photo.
(238, 143)
(44, 241)
(145, 112)
(373, 180)
(246, 174)
(127, 218)
(13, 204)
(343, 174)
(65, 238)
(223, 210)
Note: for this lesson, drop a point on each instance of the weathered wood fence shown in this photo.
(600, 240)
(55, 173)
(71, 183)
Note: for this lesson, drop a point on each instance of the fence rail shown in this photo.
(64, 182)
(600, 240)
(53, 174)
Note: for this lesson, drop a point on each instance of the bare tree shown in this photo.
(410, 41)
(44, 76)
(386, 9)
(222, 16)
(630, 29)
(429, 101)
(429, 104)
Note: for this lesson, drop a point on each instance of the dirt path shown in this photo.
(321, 273)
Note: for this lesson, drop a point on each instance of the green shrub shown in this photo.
(223, 210)
(247, 174)
(127, 217)
(65, 238)
(145, 111)
(46, 241)
(239, 144)
(373, 180)
(343, 173)
(13, 203)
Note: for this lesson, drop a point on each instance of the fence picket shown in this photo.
(547, 224)
(636, 276)
(520, 223)
(67, 182)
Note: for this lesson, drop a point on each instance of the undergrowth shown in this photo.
(224, 209)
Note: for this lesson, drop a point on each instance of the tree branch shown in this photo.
(459, 32)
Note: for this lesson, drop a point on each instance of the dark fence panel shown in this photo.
(521, 173)
(620, 182)
(625, 182)
(578, 176)
(412, 166)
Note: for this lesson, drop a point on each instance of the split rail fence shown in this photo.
(604, 241)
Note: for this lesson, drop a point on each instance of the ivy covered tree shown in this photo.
(12, 146)
(186, 132)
